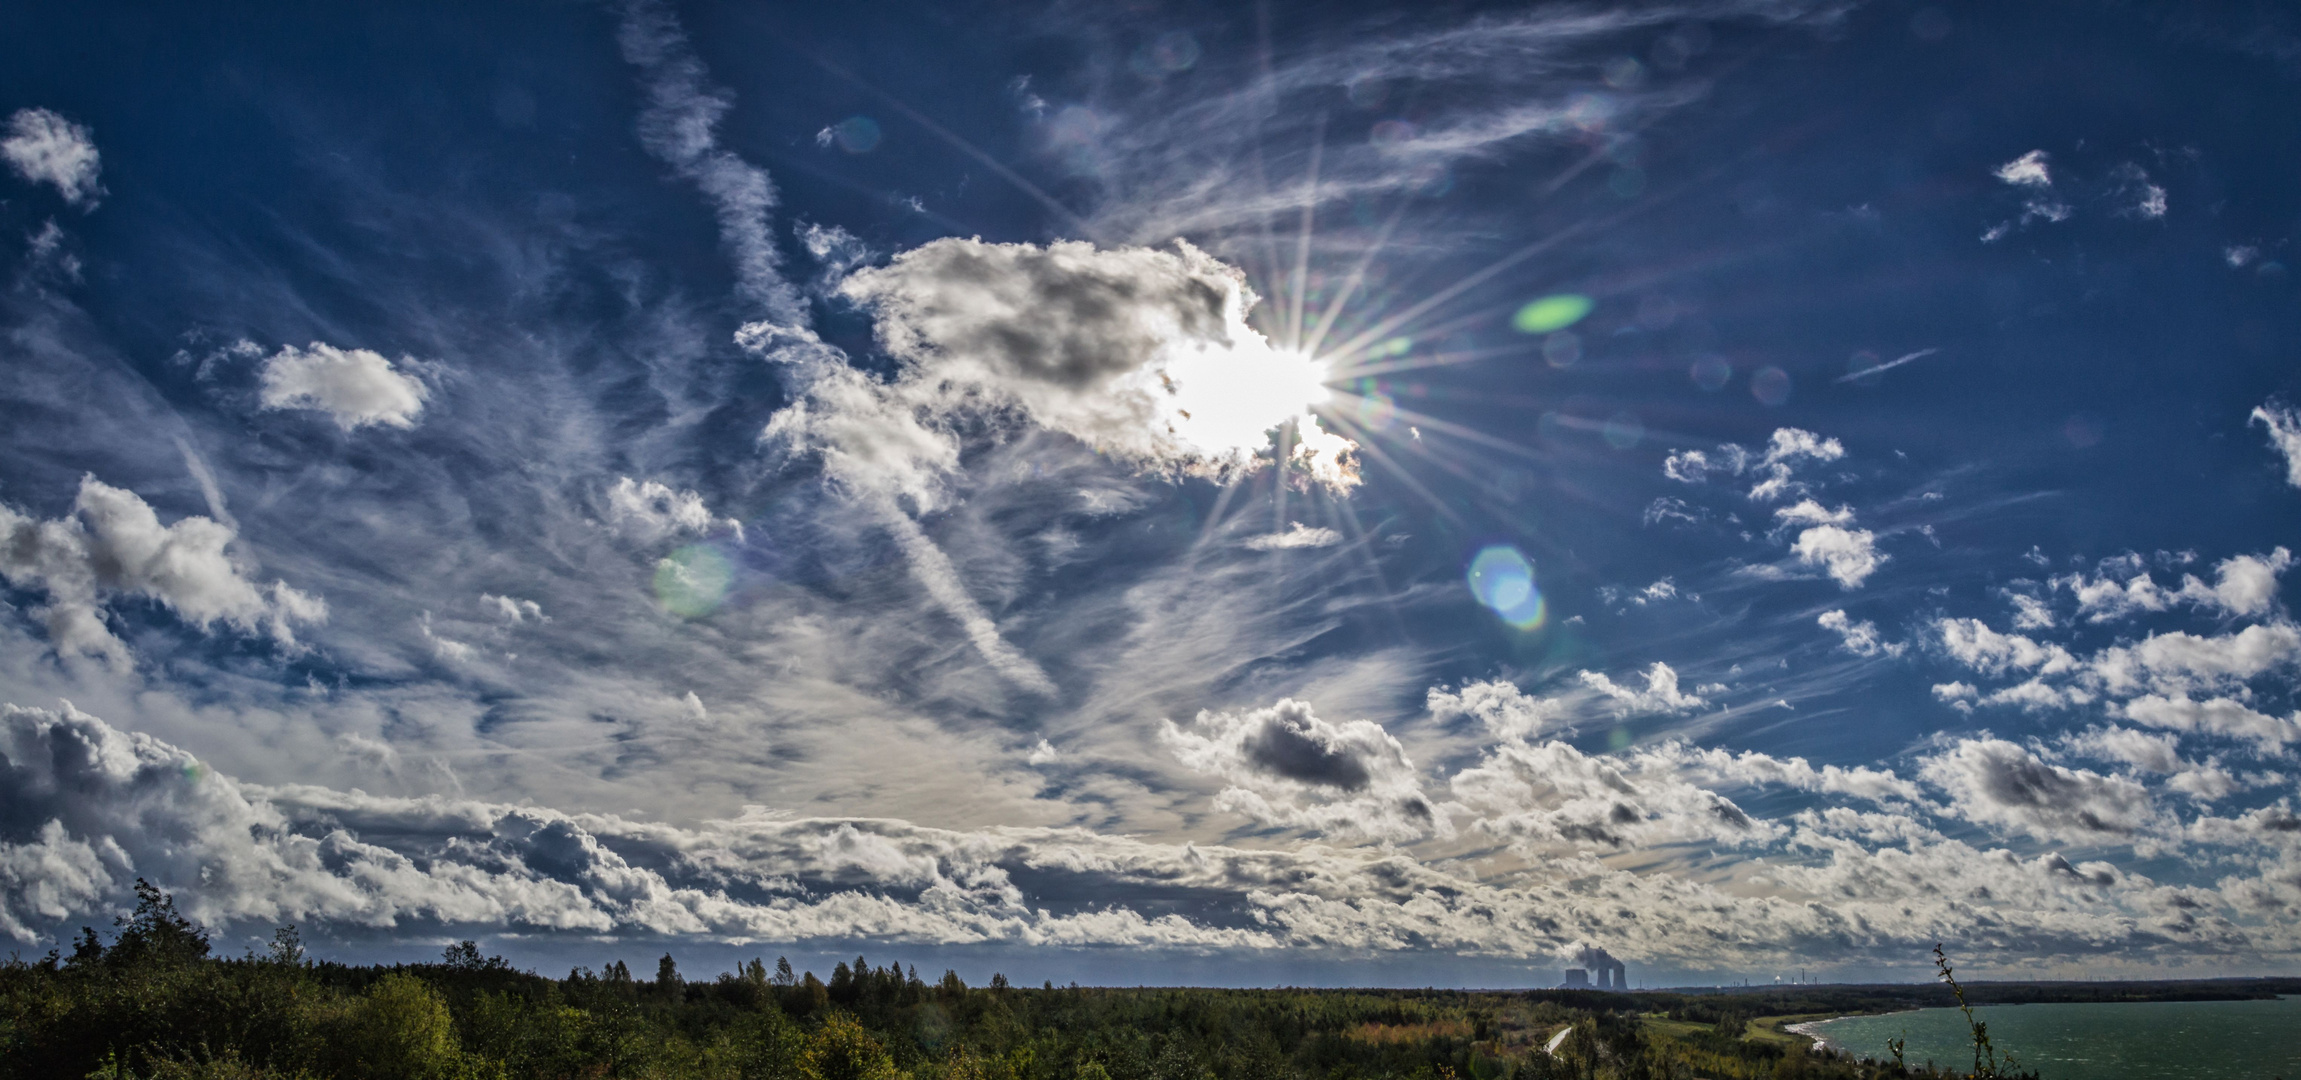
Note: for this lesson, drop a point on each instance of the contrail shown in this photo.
(1887, 366)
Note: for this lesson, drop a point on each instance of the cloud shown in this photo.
(650, 511)
(1716, 765)
(1296, 535)
(85, 808)
(2284, 424)
(2179, 662)
(355, 387)
(1958, 695)
(1174, 163)
(1849, 556)
(1143, 354)
(1809, 512)
(1667, 508)
(2217, 716)
(113, 544)
(44, 148)
(2028, 170)
(1550, 797)
(1775, 466)
(933, 570)
(1860, 639)
(1787, 448)
(1661, 694)
(1289, 768)
(514, 610)
(2245, 585)
(680, 127)
(1504, 710)
(2031, 613)
(1994, 782)
(448, 650)
(2155, 754)
(1977, 646)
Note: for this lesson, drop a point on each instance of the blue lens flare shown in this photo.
(1503, 579)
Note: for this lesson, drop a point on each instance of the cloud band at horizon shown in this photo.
(117, 805)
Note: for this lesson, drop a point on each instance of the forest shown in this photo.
(154, 1002)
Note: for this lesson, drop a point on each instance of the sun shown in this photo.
(1225, 400)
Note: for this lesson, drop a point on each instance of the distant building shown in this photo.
(1577, 979)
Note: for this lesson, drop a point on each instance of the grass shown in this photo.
(1673, 1029)
(1768, 1029)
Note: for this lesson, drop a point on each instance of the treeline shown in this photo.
(154, 1003)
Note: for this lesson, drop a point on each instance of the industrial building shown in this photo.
(1612, 975)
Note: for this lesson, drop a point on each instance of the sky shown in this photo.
(1418, 494)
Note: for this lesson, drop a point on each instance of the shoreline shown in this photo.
(1822, 1041)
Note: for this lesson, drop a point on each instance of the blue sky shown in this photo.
(1299, 493)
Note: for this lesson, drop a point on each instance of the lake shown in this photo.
(2203, 1040)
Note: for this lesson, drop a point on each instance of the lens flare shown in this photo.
(1562, 349)
(692, 581)
(1552, 313)
(1503, 580)
(1771, 385)
(1711, 372)
(856, 134)
(1623, 430)
(1376, 411)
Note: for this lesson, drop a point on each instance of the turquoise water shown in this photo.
(2190, 1040)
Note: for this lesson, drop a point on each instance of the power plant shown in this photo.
(1611, 974)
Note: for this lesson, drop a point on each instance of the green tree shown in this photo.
(842, 1050)
(401, 1030)
(157, 935)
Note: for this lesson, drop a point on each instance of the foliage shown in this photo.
(155, 1004)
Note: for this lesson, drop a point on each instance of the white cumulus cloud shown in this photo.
(2284, 424)
(1286, 766)
(1858, 638)
(355, 387)
(45, 148)
(1849, 556)
(651, 511)
(1661, 694)
(112, 544)
(2028, 170)
(1506, 711)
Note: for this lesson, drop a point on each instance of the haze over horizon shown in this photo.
(1315, 494)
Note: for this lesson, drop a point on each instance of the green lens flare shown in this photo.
(693, 580)
(1552, 313)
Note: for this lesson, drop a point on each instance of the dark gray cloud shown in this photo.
(1291, 743)
(1995, 782)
